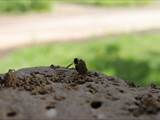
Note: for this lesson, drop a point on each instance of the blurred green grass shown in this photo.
(21, 6)
(111, 2)
(133, 57)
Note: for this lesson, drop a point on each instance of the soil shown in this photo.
(62, 93)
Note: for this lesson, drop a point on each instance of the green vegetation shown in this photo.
(14, 6)
(131, 57)
(111, 2)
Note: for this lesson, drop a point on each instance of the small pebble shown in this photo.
(51, 113)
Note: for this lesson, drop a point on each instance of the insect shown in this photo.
(10, 78)
(80, 66)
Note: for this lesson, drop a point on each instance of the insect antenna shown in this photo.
(69, 65)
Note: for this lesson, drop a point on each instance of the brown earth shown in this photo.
(59, 93)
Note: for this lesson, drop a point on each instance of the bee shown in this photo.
(80, 66)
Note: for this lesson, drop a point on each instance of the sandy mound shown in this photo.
(60, 93)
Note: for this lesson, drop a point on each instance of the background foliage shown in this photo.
(111, 2)
(132, 57)
(24, 5)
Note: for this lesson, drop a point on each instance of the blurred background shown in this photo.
(116, 37)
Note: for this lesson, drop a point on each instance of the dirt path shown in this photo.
(69, 22)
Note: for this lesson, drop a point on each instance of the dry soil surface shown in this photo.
(59, 93)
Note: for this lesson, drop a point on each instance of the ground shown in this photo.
(56, 92)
